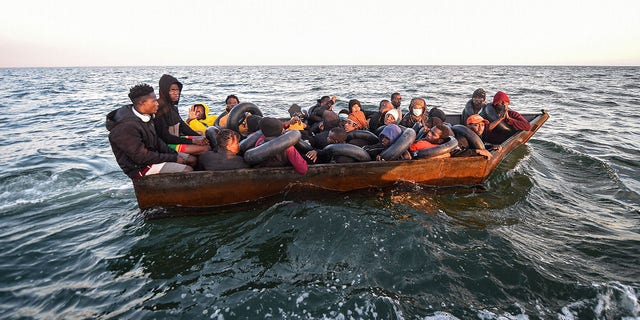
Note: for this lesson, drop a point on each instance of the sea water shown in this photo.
(555, 234)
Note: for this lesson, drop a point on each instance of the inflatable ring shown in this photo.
(395, 150)
(474, 140)
(417, 127)
(249, 142)
(349, 150)
(492, 116)
(211, 133)
(271, 148)
(367, 135)
(446, 147)
(217, 122)
(303, 146)
(236, 115)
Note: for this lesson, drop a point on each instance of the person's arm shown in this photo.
(296, 160)
(129, 139)
(186, 130)
(162, 130)
(517, 121)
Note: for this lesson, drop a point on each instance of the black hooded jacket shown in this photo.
(168, 116)
(134, 142)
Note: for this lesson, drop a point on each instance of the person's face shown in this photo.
(174, 92)
(502, 107)
(231, 102)
(355, 108)
(478, 128)
(434, 135)
(199, 112)
(418, 107)
(396, 101)
(234, 145)
(389, 119)
(350, 126)
(477, 101)
(385, 141)
(331, 139)
(149, 105)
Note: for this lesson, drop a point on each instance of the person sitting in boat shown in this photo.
(476, 123)
(230, 102)
(226, 157)
(417, 113)
(271, 129)
(388, 136)
(297, 116)
(475, 105)
(436, 136)
(330, 120)
(336, 135)
(199, 118)
(507, 120)
(134, 142)
(315, 113)
(356, 113)
(376, 119)
(169, 125)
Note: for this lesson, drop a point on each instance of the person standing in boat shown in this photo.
(417, 114)
(271, 129)
(226, 157)
(134, 142)
(475, 105)
(169, 125)
(505, 116)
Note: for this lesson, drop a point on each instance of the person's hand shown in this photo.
(379, 158)
(496, 148)
(294, 119)
(312, 155)
(406, 155)
(334, 98)
(484, 153)
(192, 114)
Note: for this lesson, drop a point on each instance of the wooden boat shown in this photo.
(215, 189)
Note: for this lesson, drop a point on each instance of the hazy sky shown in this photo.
(319, 32)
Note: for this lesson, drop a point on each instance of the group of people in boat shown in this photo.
(149, 136)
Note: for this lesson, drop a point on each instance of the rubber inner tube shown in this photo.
(236, 115)
(249, 142)
(217, 122)
(270, 148)
(446, 147)
(349, 150)
(211, 133)
(395, 150)
(492, 116)
(474, 140)
(367, 135)
(303, 146)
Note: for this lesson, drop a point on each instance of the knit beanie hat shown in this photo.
(253, 123)
(271, 127)
(391, 131)
(395, 113)
(500, 97)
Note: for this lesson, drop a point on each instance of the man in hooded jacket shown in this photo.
(134, 142)
(169, 125)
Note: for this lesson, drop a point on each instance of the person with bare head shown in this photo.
(134, 142)
(475, 105)
(396, 100)
(226, 157)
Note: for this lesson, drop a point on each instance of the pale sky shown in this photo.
(319, 32)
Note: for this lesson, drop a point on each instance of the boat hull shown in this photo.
(222, 188)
